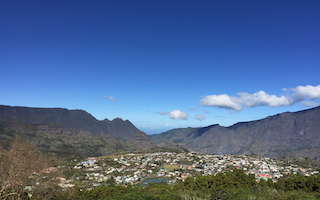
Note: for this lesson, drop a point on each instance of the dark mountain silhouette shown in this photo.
(296, 133)
(76, 119)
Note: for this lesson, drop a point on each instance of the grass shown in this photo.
(170, 167)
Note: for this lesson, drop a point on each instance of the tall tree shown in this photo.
(22, 170)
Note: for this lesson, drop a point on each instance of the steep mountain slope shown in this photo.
(51, 137)
(274, 136)
(174, 145)
(77, 119)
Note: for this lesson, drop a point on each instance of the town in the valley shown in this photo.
(136, 169)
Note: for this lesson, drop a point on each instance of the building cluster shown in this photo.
(135, 168)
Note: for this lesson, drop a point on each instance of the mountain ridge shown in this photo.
(51, 137)
(63, 131)
(77, 119)
(283, 134)
(274, 136)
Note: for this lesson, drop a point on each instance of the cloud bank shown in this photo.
(261, 98)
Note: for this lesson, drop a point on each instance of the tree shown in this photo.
(22, 170)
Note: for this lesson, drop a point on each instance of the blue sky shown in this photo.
(162, 64)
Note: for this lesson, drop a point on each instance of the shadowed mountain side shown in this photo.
(311, 153)
(141, 141)
(51, 137)
(52, 128)
(77, 119)
(174, 145)
(274, 136)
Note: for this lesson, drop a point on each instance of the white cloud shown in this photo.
(309, 104)
(200, 117)
(261, 98)
(221, 101)
(192, 109)
(177, 115)
(306, 92)
(168, 125)
(110, 98)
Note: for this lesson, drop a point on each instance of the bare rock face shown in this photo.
(274, 136)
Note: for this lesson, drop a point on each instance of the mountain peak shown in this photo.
(118, 119)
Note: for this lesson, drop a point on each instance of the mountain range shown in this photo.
(77, 119)
(286, 134)
(76, 131)
(63, 131)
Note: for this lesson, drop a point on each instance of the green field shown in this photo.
(170, 167)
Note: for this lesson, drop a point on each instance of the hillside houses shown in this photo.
(134, 168)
